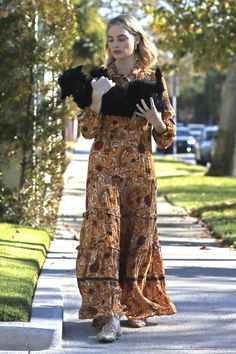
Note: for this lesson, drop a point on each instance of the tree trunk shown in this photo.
(224, 159)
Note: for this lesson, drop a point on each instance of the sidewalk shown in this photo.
(201, 280)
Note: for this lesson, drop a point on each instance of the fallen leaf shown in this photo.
(204, 248)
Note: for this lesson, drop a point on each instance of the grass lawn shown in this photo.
(22, 254)
(213, 199)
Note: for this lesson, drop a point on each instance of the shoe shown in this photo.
(110, 331)
(99, 322)
(137, 323)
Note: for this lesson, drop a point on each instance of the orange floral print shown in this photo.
(119, 263)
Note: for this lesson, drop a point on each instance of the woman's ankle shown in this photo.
(99, 321)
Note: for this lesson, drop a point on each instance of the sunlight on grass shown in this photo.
(166, 166)
(213, 199)
(22, 253)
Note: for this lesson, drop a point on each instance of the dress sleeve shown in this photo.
(166, 139)
(90, 123)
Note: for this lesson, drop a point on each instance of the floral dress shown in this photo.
(119, 263)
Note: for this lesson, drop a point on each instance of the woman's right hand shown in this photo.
(100, 87)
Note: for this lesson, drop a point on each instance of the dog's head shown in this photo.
(70, 81)
(97, 73)
(159, 82)
(158, 97)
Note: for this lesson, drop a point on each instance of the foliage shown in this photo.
(36, 45)
(22, 254)
(112, 8)
(206, 28)
(210, 198)
(199, 98)
(88, 48)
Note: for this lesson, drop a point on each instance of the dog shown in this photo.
(120, 101)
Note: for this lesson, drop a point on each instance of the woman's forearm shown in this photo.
(159, 127)
(96, 103)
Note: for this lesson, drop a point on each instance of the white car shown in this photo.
(203, 151)
(185, 143)
(196, 130)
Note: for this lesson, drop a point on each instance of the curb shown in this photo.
(44, 331)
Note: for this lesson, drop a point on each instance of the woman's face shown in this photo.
(120, 42)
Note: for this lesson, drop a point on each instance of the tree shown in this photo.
(207, 29)
(199, 94)
(36, 46)
(112, 8)
(88, 48)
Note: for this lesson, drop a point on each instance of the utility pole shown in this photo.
(174, 104)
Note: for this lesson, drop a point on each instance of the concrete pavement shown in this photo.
(201, 279)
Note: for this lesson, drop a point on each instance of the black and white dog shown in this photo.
(118, 100)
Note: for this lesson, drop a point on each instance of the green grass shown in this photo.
(22, 253)
(213, 199)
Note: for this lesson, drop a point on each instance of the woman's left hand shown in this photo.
(152, 115)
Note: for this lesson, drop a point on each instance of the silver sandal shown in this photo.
(137, 323)
(111, 330)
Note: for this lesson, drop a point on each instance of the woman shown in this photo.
(119, 265)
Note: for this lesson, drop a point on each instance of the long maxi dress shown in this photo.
(119, 263)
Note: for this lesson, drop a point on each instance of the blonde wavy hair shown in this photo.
(146, 51)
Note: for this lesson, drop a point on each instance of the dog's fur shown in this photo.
(118, 100)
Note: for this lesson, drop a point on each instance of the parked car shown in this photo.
(185, 143)
(196, 130)
(204, 148)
